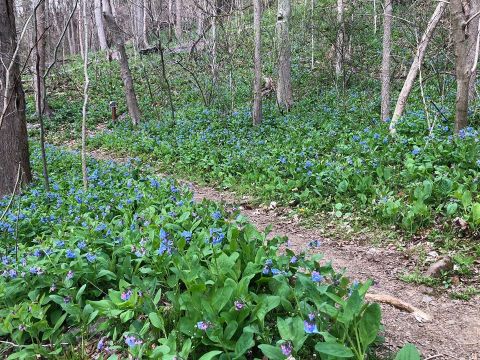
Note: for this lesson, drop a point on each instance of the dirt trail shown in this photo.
(453, 332)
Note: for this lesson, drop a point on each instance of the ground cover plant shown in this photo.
(329, 155)
(134, 266)
(311, 159)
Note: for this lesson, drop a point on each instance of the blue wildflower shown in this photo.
(101, 227)
(131, 341)
(276, 271)
(70, 274)
(70, 254)
(316, 277)
(82, 245)
(203, 325)
(286, 348)
(91, 257)
(216, 215)
(187, 235)
(126, 295)
(310, 327)
(217, 235)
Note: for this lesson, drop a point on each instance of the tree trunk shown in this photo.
(284, 88)
(80, 32)
(473, 47)
(385, 76)
(200, 20)
(340, 40)
(41, 35)
(257, 83)
(131, 97)
(138, 12)
(214, 10)
(146, 11)
(464, 37)
(415, 67)
(178, 19)
(14, 153)
(71, 38)
(85, 98)
(102, 38)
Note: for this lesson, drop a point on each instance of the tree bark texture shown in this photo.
(387, 46)
(257, 83)
(13, 129)
(102, 37)
(131, 97)
(40, 43)
(284, 86)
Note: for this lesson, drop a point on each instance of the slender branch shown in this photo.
(13, 193)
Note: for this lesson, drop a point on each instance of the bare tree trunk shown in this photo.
(340, 40)
(214, 43)
(170, 18)
(80, 32)
(85, 97)
(284, 88)
(415, 67)
(102, 38)
(130, 95)
(200, 20)
(464, 34)
(40, 45)
(146, 9)
(71, 38)
(139, 25)
(178, 19)
(107, 7)
(40, 95)
(14, 153)
(385, 76)
(473, 46)
(257, 83)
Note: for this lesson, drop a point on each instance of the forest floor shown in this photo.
(452, 333)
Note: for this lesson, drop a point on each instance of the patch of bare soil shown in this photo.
(454, 329)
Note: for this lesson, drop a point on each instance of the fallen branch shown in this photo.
(399, 304)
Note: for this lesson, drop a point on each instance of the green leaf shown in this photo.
(158, 296)
(408, 352)
(466, 199)
(334, 349)
(108, 274)
(271, 352)
(245, 342)
(476, 213)
(156, 321)
(369, 325)
(352, 307)
(230, 330)
(59, 322)
(80, 292)
(126, 316)
(186, 349)
(452, 208)
(210, 355)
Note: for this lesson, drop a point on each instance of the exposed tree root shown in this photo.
(399, 304)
